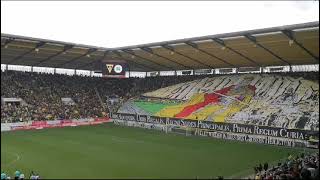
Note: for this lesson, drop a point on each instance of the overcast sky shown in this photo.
(116, 24)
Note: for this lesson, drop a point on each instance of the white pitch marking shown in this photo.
(14, 161)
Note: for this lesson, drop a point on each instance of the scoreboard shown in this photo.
(114, 68)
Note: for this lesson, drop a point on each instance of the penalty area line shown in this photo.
(18, 157)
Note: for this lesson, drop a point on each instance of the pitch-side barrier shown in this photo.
(229, 131)
(52, 124)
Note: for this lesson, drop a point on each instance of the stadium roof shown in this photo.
(285, 45)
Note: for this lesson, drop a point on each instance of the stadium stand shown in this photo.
(282, 100)
(303, 166)
(42, 93)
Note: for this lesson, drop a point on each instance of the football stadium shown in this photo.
(241, 104)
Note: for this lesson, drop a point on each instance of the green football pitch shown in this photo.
(110, 151)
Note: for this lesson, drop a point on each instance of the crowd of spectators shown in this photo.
(19, 176)
(302, 166)
(41, 94)
(313, 76)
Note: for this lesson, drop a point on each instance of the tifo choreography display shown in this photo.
(265, 100)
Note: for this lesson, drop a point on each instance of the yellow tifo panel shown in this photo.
(205, 112)
(171, 111)
(231, 110)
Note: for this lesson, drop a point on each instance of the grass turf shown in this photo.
(110, 151)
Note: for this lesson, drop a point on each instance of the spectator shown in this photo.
(17, 174)
(301, 167)
(260, 167)
(21, 176)
(3, 175)
(265, 166)
(32, 175)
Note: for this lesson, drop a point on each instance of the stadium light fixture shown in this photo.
(290, 42)
(221, 42)
(169, 48)
(290, 35)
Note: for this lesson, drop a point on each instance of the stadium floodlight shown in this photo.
(290, 42)
(170, 48)
(221, 42)
(290, 35)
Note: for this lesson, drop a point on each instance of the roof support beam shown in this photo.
(290, 35)
(76, 58)
(225, 35)
(38, 45)
(133, 54)
(139, 64)
(65, 48)
(117, 53)
(221, 42)
(149, 50)
(7, 42)
(254, 40)
(102, 58)
(195, 46)
(168, 47)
